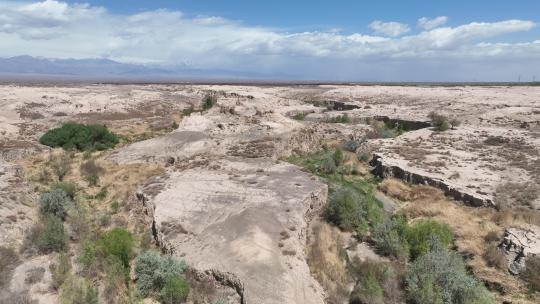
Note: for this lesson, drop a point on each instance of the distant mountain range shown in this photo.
(28, 67)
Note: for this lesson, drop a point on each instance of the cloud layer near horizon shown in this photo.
(164, 37)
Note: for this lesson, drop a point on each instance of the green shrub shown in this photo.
(188, 111)
(339, 119)
(53, 237)
(352, 211)
(338, 156)
(344, 209)
(363, 157)
(78, 291)
(87, 154)
(380, 129)
(440, 276)
(420, 234)
(69, 188)
(55, 202)
(104, 220)
(439, 122)
(60, 270)
(79, 136)
(351, 145)
(114, 207)
(209, 101)
(119, 243)
(299, 116)
(79, 221)
(153, 271)
(328, 165)
(92, 180)
(389, 237)
(87, 255)
(377, 282)
(368, 292)
(176, 290)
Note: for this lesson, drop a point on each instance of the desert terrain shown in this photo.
(233, 181)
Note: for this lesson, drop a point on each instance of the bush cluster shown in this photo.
(440, 276)
(376, 282)
(78, 291)
(353, 211)
(209, 101)
(299, 116)
(381, 129)
(389, 237)
(352, 145)
(55, 202)
(439, 122)
(75, 136)
(69, 188)
(395, 237)
(53, 236)
(118, 243)
(339, 119)
(161, 276)
(421, 233)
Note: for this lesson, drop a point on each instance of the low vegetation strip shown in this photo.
(422, 267)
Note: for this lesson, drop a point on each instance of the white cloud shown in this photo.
(59, 30)
(392, 29)
(429, 24)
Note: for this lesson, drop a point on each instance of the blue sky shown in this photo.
(330, 40)
(349, 15)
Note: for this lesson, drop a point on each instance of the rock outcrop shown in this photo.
(244, 220)
(518, 244)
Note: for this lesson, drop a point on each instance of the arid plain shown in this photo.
(229, 188)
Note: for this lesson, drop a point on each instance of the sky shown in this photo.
(497, 40)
